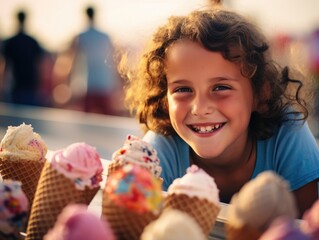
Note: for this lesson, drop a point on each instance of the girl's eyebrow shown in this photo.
(233, 78)
(213, 79)
(178, 81)
(225, 78)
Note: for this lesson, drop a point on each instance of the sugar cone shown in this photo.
(244, 233)
(26, 171)
(112, 167)
(54, 192)
(203, 211)
(127, 225)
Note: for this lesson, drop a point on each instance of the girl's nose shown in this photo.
(202, 105)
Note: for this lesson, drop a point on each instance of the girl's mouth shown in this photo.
(206, 128)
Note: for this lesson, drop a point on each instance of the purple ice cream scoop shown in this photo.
(284, 228)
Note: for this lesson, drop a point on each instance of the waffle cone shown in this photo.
(203, 211)
(26, 171)
(126, 225)
(244, 233)
(113, 167)
(54, 192)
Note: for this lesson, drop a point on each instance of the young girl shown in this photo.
(209, 94)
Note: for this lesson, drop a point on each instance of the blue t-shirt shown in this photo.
(292, 152)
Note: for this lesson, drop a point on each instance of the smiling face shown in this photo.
(209, 101)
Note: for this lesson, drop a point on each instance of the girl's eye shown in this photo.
(221, 88)
(183, 89)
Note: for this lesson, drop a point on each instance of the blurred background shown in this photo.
(63, 53)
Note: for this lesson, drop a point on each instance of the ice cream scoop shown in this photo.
(262, 200)
(136, 151)
(196, 183)
(14, 208)
(173, 224)
(258, 203)
(20, 142)
(76, 223)
(79, 162)
(134, 188)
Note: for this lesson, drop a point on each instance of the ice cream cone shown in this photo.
(126, 224)
(203, 211)
(132, 198)
(257, 205)
(244, 233)
(54, 192)
(26, 171)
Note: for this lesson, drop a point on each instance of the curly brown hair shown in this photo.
(239, 41)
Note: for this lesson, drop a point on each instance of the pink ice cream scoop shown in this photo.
(81, 163)
(310, 223)
(76, 223)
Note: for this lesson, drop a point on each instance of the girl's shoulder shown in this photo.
(292, 152)
(292, 131)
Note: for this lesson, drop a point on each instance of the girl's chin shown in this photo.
(205, 153)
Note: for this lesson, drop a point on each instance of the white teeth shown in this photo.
(206, 129)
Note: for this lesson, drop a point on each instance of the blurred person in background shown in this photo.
(93, 52)
(22, 56)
